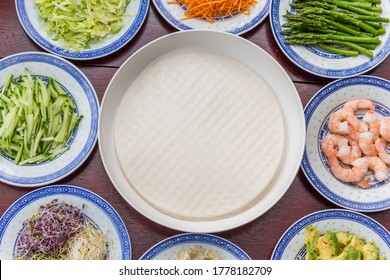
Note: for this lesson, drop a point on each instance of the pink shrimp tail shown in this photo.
(364, 183)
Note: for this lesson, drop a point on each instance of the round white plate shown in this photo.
(99, 211)
(224, 44)
(322, 63)
(315, 164)
(84, 138)
(29, 18)
(167, 249)
(291, 246)
(238, 24)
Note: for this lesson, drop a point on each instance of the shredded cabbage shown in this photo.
(78, 23)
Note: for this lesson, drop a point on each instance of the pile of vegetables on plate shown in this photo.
(210, 9)
(339, 245)
(60, 231)
(77, 24)
(37, 117)
(346, 27)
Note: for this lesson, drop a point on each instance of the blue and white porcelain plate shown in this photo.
(237, 24)
(83, 139)
(167, 249)
(28, 17)
(322, 63)
(291, 245)
(96, 209)
(315, 164)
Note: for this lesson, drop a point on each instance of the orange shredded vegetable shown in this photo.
(211, 9)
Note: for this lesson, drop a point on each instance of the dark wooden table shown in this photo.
(257, 238)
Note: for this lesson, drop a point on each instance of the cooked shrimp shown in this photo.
(373, 124)
(381, 145)
(332, 143)
(352, 138)
(367, 143)
(364, 183)
(349, 175)
(360, 103)
(379, 168)
(384, 128)
(347, 154)
(343, 122)
(363, 127)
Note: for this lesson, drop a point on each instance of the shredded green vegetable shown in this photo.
(78, 23)
(36, 119)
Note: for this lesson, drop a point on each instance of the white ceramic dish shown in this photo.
(315, 164)
(237, 24)
(85, 136)
(167, 248)
(291, 245)
(322, 63)
(99, 211)
(224, 44)
(28, 17)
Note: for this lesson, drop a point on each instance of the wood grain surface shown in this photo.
(259, 237)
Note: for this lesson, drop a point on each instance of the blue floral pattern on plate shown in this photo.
(84, 139)
(320, 62)
(96, 209)
(237, 24)
(291, 245)
(28, 16)
(314, 164)
(167, 248)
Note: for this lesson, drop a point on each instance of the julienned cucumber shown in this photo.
(37, 118)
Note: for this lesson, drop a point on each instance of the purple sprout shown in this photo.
(45, 235)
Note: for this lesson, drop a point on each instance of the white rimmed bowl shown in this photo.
(224, 44)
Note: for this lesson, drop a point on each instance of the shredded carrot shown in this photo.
(211, 9)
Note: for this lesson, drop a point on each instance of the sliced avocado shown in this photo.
(311, 240)
(340, 245)
(370, 251)
(358, 242)
(349, 253)
(328, 245)
(344, 238)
